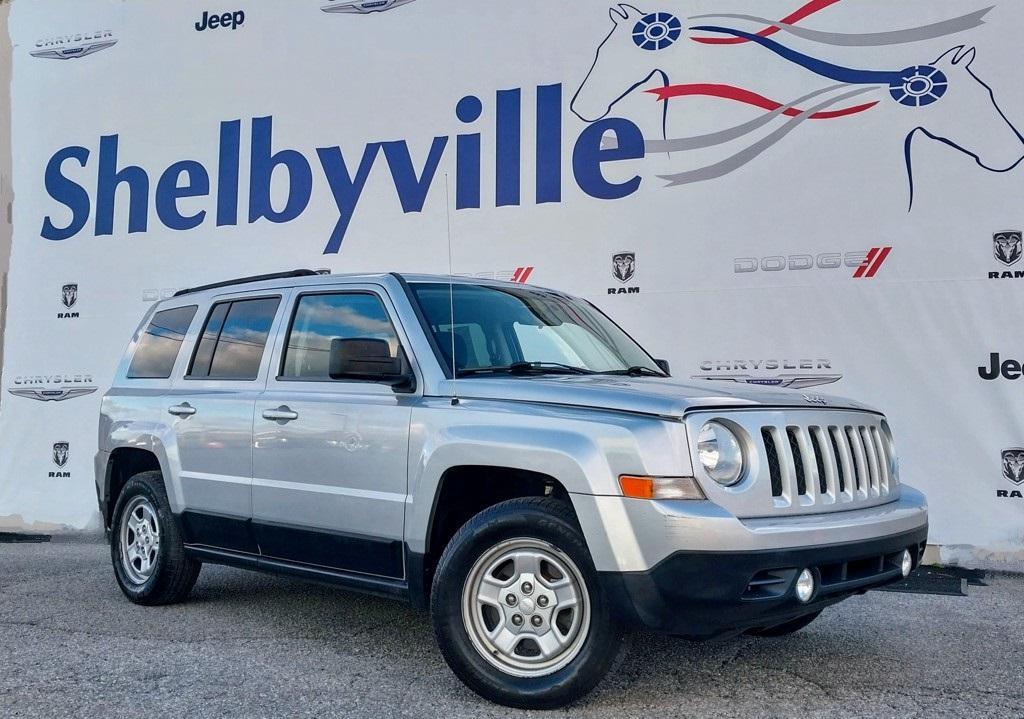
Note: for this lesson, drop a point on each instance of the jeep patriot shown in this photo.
(502, 455)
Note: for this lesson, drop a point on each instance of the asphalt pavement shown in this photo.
(253, 645)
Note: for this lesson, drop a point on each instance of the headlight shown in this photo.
(720, 453)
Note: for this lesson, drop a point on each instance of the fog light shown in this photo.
(805, 586)
(906, 563)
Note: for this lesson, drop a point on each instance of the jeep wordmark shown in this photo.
(501, 454)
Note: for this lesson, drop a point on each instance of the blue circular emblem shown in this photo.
(657, 30)
(919, 86)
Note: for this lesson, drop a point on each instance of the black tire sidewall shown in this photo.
(510, 520)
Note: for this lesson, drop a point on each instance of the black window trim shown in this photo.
(297, 299)
(177, 355)
(231, 300)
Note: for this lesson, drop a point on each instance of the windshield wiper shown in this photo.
(527, 368)
(637, 371)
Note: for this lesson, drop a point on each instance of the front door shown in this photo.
(330, 457)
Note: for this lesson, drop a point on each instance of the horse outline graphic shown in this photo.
(933, 89)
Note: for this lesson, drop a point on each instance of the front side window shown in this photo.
(232, 343)
(500, 329)
(158, 346)
(320, 319)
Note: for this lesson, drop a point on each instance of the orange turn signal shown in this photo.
(639, 487)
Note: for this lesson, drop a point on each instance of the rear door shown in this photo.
(212, 406)
(330, 456)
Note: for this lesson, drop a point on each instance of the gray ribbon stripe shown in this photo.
(741, 158)
(871, 39)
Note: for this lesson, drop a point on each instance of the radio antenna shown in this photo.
(451, 291)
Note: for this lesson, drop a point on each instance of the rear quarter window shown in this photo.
(159, 345)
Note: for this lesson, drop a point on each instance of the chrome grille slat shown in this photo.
(831, 458)
(830, 473)
(874, 469)
(860, 464)
(883, 459)
(787, 465)
(810, 464)
(845, 462)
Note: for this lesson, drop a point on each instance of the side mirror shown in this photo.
(663, 366)
(366, 359)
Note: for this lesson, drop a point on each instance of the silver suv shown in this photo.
(501, 454)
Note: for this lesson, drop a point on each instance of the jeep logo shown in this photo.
(232, 20)
(1007, 369)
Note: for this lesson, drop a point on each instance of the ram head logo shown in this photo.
(60, 453)
(1013, 464)
(1007, 246)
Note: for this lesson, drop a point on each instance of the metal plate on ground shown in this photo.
(951, 581)
(21, 537)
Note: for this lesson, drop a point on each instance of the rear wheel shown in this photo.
(146, 548)
(786, 628)
(517, 608)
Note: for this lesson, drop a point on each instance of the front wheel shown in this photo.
(517, 608)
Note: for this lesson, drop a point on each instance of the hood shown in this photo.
(662, 396)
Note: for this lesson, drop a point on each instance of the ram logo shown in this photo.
(1007, 246)
(69, 295)
(1013, 464)
(60, 453)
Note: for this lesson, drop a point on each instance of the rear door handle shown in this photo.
(281, 414)
(182, 410)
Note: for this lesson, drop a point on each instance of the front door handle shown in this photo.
(281, 414)
(182, 410)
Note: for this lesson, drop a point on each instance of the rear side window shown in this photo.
(233, 340)
(159, 344)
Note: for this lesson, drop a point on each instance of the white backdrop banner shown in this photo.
(807, 194)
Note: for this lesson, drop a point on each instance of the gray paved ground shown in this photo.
(253, 645)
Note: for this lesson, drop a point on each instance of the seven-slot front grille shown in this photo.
(827, 464)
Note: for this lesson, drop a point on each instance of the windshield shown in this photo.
(526, 330)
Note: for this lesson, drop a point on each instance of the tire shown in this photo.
(786, 628)
(492, 550)
(146, 548)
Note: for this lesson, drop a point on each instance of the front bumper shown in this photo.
(704, 594)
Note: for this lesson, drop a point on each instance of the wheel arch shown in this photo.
(462, 492)
(123, 463)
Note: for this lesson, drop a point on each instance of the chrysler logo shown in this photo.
(53, 395)
(67, 47)
(53, 388)
(366, 6)
(794, 374)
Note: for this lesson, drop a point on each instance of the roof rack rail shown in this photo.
(244, 280)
